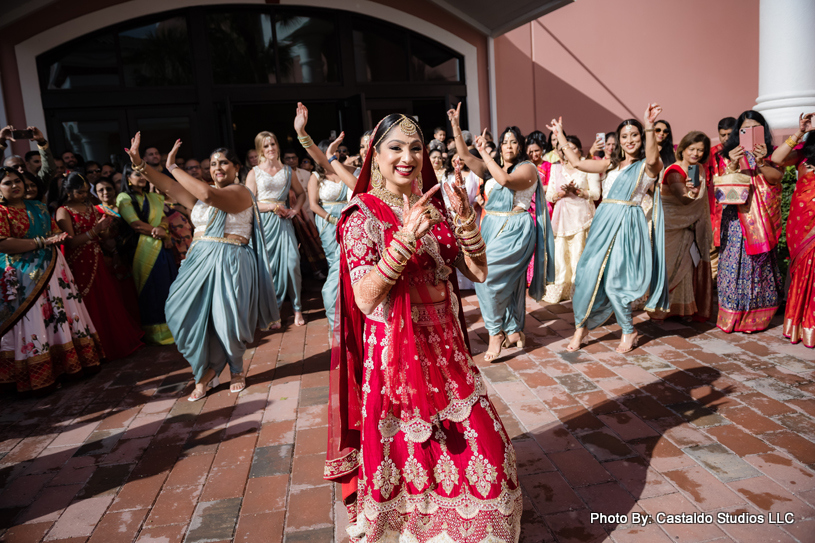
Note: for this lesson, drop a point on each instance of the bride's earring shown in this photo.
(376, 175)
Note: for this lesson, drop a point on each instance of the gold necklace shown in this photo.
(392, 199)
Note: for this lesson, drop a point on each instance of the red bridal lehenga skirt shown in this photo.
(458, 482)
(799, 315)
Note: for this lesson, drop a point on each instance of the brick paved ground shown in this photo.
(692, 421)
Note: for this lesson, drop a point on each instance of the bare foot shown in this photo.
(577, 339)
(299, 320)
(627, 342)
(494, 348)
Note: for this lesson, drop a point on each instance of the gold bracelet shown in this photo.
(475, 255)
(401, 249)
(792, 142)
(406, 237)
(305, 141)
(383, 267)
(138, 167)
(392, 263)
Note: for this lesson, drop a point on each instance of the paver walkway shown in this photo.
(693, 421)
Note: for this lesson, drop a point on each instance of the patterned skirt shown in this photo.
(799, 316)
(750, 286)
(55, 337)
(460, 483)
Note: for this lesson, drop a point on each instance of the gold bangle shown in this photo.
(406, 237)
(138, 167)
(792, 142)
(392, 262)
(382, 276)
(475, 255)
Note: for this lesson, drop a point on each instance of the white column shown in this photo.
(786, 67)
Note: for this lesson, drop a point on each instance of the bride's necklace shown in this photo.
(392, 199)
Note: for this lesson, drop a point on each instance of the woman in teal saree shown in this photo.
(622, 260)
(513, 236)
(223, 292)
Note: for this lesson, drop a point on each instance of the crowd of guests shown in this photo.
(106, 243)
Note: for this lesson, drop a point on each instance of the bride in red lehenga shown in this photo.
(418, 447)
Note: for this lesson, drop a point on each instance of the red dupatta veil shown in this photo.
(345, 395)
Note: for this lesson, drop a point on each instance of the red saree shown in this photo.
(119, 333)
(799, 316)
(418, 446)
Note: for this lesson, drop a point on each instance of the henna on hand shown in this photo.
(370, 291)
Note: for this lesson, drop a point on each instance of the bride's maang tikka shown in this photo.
(407, 125)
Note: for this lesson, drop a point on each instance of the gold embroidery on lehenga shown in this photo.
(386, 477)
(481, 474)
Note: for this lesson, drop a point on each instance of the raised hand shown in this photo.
(556, 126)
(37, 135)
(454, 116)
(480, 143)
(133, 151)
(332, 149)
(760, 151)
(5, 133)
(805, 122)
(301, 119)
(172, 154)
(103, 223)
(421, 217)
(457, 193)
(652, 114)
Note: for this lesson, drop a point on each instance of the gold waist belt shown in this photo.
(334, 203)
(272, 201)
(231, 241)
(621, 202)
(505, 213)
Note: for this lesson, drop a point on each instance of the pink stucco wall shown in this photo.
(597, 62)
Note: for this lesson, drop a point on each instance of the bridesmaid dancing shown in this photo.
(270, 182)
(512, 235)
(618, 264)
(328, 192)
(154, 268)
(223, 292)
(119, 333)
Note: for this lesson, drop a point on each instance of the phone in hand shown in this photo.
(22, 134)
(750, 137)
(600, 137)
(693, 174)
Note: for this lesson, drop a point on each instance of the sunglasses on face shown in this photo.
(661, 130)
(188, 168)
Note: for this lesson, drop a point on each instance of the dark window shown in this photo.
(430, 62)
(90, 63)
(380, 53)
(93, 140)
(307, 49)
(157, 55)
(241, 45)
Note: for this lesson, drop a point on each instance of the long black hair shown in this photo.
(28, 176)
(733, 141)
(4, 172)
(515, 131)
(619, 155)
(666, 153)
(74, 181)
(142, 211)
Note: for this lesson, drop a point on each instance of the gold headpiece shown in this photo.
(406, 125)
(216, 156)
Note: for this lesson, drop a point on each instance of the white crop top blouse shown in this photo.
(239, 224)
(270, 187)
(639, 192)
(330, 191)
(521, 198)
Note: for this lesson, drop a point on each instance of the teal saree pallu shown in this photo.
(622, 261)
(328, 236)
(512, 239)
(223, 293)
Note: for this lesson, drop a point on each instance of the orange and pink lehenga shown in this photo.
(420, 450)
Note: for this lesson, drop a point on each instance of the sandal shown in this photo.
(579, 343)
(238, 383)
(622, 350)
(489, 356)
(520, 343)
(214, 382)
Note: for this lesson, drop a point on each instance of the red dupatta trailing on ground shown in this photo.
(348, 352)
